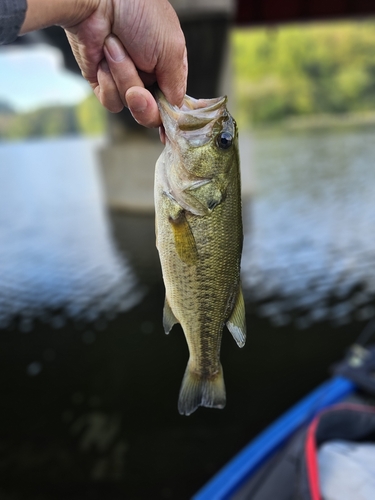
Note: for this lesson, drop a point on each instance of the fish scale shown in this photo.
(199, 239)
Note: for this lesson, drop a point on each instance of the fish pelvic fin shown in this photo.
(169, 319)
(237, 322)
(184, 239)
(197, 390)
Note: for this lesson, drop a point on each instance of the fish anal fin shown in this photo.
(237, 321)
(169, 319)
(184, 239)
(197, 390)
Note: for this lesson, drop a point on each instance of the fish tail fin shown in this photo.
(197, 390)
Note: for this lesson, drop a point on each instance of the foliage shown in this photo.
(6, 108)
(91, 117)
(87, 118)
(304, 70)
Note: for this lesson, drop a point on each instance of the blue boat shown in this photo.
(256, 470)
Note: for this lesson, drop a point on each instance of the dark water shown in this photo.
(311, 225)
(89, 381)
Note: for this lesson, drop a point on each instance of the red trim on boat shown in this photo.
(310, 445)
(311, 461)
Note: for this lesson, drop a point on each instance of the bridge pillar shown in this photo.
(128, 161)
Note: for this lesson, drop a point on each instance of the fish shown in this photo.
(199, 237)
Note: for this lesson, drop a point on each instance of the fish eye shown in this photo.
(224, 140)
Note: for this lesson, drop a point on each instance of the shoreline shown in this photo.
(316, 122)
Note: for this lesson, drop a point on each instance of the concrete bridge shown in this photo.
(205, 24)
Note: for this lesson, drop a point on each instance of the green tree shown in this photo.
(303, 70)
(91, 117)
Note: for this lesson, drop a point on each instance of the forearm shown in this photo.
(43, 13)
(12, 15)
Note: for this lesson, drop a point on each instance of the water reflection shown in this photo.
(89, 400)
(308, 228)
(310, 253)
(56, 251)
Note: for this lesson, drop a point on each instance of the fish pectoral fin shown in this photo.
(237, 322)
(169, 319)
(208, 194)
(184, 239)
(197, 390)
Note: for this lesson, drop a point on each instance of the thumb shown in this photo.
(171, 74)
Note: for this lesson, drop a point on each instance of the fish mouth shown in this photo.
(194, 115)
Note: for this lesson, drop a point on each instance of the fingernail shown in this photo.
(115, 48)
(104, 66)
(138, 105)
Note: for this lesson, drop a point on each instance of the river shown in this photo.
(89, 381)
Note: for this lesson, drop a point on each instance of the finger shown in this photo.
(106, 90)
(122, 67)
(87, 60)
(171, 73)
(143, 107)
(130, 86)
(148, 79)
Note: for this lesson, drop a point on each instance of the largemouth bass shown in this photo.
(199, 239)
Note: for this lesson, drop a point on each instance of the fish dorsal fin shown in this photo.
(237, 322)
(184, 239)
(169, 319)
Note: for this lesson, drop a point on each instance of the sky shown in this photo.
(34, 76)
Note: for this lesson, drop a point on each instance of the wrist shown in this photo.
(43, 13)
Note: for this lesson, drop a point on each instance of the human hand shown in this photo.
(127, 45)
(121, 46)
